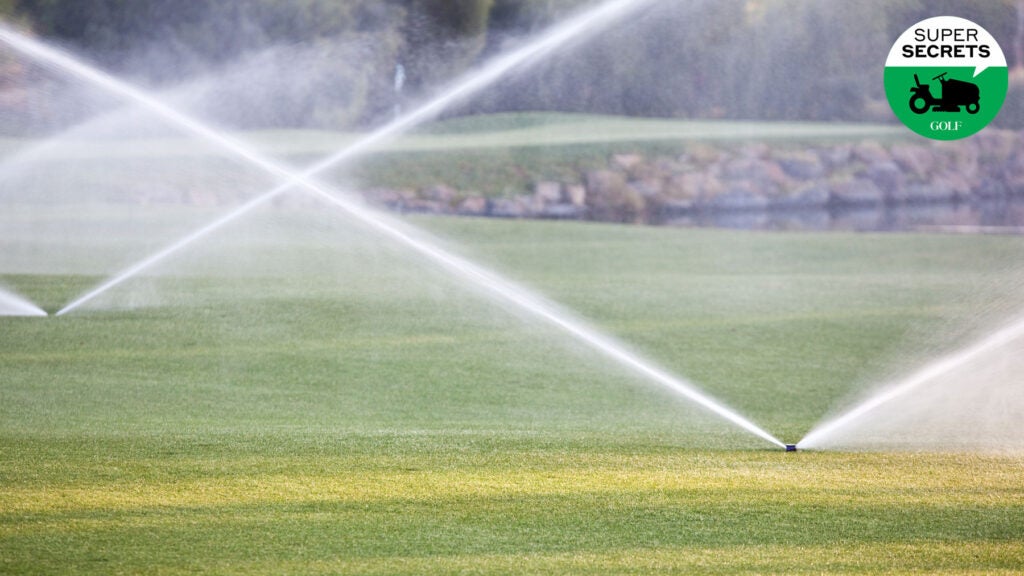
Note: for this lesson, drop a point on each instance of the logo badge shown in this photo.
(946, 78)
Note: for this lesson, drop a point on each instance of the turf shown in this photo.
(492, 155)
(326, 404)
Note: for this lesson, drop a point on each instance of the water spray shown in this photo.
(489, 282)
(575, 28)
(944, 365)
(12, 304)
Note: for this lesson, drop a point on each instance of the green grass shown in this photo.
(493, 155)
(505, 154)
(306, 399)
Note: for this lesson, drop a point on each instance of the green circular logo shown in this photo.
(946, 78)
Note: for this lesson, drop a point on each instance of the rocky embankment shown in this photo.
(711, 178)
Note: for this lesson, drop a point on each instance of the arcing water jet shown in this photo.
(488, 282)
(13, 305)
(573, 29)
(822, 434)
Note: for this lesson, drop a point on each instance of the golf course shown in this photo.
(475, 287)
(298, 396)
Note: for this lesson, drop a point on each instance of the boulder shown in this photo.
(473, 205)
(672, 207)
(610, 198)
(647, 187)
(392, 199)
(562, 212)
(856, 192)
(932, 192)
(507, 208)
(871, 152)
(814, 196)
(756, 170)
(743, 196)
(962, 187)
(997, 145)
(836, 157)
(916, 161)
(960, 156)
(693, 185)
(886, 175)
(754, 150)
(626, 162)
(802, 165)
(439, 193)
(990, 188)
(576, 194)
(424, 206)
(547, 192)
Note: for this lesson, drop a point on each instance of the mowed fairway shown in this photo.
(308, 399)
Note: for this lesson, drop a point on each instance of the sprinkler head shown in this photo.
(790, 447)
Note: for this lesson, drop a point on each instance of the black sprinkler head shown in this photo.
(790, 447)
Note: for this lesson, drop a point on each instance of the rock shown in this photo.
(886, 175)
(664, 168)
(576, 194)
(659, 169)
(506, 208)
(741, 197)
(603, 182)
(802, 166)
(917, 161)
(423, 206)
(990, 188)
(761, 173)
(811, 197)
(741, 180)
(439, 193)
(870, 152)
(693, 185)
(1013, 172)
(473, 206)
(961, 186)
(701, 155)
(933, 192)
(754, 150)
(996, 145)
(562, 212)
(610, 198)
(856, 192)
(392, 199)
(627, 162)
(671, 207)
(547, 192)
(737, 219)
(959, 156)
(647, 188)
(836, 156)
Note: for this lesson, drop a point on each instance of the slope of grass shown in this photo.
(494, 155)
(308, 400)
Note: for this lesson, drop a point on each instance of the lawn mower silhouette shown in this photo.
(955, 93)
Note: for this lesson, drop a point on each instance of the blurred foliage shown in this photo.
(206, 30)
(442, 38)
(740, 59)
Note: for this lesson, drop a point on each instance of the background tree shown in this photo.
(442, 38)
(331, 63)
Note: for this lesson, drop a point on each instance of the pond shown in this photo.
(993, 216)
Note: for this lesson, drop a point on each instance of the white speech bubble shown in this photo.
(949, 31)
